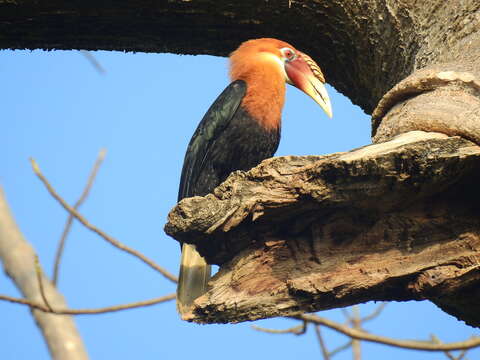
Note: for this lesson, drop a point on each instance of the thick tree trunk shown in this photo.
(392, 221)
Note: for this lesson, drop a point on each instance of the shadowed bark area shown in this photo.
(364, 47)
(392, 221)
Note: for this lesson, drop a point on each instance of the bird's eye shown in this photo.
(288, 53)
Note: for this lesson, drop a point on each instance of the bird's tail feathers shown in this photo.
(193, 278)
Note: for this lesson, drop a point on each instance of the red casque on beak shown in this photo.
(304, 74)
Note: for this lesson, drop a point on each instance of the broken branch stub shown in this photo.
(392, 221)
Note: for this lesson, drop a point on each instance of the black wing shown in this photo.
(213, 123)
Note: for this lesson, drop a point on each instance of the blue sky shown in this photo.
(56, 108)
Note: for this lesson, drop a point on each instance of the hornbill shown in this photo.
(239, 130)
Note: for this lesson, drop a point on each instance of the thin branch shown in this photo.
(448, 354)
(96, 230)
(297, 330)
(38, 272)
(323, 346)
(346, 314)
(93, 60)
(356, 324)
(367, 318)
(68, 224)
(405, 344)
(102, 310)
(375, 313)
(354, 320)
(462, 354)
(341, 348)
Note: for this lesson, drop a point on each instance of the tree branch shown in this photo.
(93, 61)
(296, 330)
(39, 273)
(96, 230)
(60, 333)
(343, 347)
(323, 347)
(375, 313)
(405, 344)
(358, 334)
(68, 224)
(65, 311)
(448, 354)
(356, 323)
(391, 221)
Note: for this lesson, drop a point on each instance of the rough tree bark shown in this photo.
(365, 47)
(391, 221)
(413, 64)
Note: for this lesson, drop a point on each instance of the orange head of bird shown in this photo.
(282, 61)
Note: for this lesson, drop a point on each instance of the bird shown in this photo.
(239, 130)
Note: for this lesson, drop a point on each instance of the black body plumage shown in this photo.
(228, 138)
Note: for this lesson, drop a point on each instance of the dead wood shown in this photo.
(391, 221)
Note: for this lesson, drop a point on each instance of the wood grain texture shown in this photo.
(436, 99)
(392, 221)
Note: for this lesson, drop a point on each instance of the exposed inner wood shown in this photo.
(391, 221)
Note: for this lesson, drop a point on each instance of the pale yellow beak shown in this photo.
(304, 74)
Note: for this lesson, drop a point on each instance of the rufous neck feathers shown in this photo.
(265, 88)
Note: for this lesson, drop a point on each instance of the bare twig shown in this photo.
(448, 354)
(102, 310)
(346, 314)
(88, 55)
(321, 342)
(297, 330)
(356, 322)
(341, 348)
(375, 313)
(96, 230)
(39, 273)
(357, 333)
(68, 224)
(405, 344)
